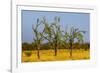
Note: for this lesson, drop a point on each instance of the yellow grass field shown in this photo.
(48, 55)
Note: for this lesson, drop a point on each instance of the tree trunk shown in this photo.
(55, 51)
(71, 48)
(38, 53)
(55, 46)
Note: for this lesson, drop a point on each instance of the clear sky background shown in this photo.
(78, 20)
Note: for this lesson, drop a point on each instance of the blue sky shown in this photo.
(78, 20)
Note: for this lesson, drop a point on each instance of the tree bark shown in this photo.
(55, 51)
(55, 46)
(38, 53)
(71, 48)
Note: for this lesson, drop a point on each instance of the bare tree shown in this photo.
(38, 36)
(73, 34)
(53, 33)
(57, 33)
(48, 35)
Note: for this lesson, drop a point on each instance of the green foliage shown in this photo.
(28, 53)
(56, 37)
(46, 46)
(26, 46)
(73, 34)
(38, 36)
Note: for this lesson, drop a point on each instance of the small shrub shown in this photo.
(28, 53)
